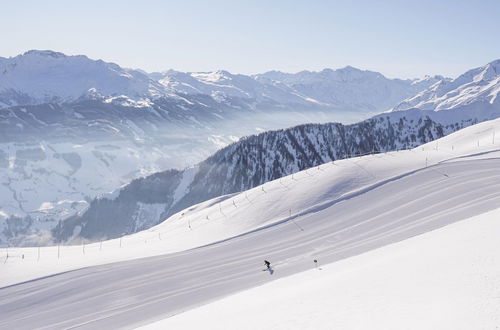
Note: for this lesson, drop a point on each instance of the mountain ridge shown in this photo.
(41, 76)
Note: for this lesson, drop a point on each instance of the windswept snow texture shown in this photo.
(329, 213)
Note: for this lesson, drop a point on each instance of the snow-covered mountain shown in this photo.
(349, 87)
(41, 76)
(474, 91)
(343, 89)
(64, 117)
(258, 159)
(390, 232)
(176, 119)
(247, 163)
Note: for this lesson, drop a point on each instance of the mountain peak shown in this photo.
(479, 85)
(349, 68)
(495, 63)
(489, 71)
(44, 53)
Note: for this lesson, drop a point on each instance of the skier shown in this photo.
(268, 264)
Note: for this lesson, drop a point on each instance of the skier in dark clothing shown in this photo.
(268, 264)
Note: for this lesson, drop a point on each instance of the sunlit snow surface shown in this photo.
(445, 279)
(328, 213)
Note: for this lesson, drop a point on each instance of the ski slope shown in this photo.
(217, 248)
(445, 279)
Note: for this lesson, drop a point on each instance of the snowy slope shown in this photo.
(349, 87)
(45, 182)
(114, 109)
(305, 193)
(338, 210)
(40, 76)
(445, 279)
(243, 165)
(479, 86)
(222, 85)
(62, 117)
(342, 89)
(115, 143)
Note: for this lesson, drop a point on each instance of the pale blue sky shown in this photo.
(398, 38)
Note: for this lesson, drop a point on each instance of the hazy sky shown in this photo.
(398, 38)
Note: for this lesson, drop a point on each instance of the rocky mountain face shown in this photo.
(245, 164)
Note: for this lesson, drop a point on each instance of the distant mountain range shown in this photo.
(50, 77)
(75, 129)
(477, 86)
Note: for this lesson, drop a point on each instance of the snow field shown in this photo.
(340, 210)
(286, 199)
(445, 279)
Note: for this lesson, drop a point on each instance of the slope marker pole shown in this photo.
(246, 196)
(7, 256)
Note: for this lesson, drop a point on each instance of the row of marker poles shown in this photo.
(159, 234)
(234, 204)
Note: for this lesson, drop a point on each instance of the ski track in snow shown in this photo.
(384, 209)
(128, 293)
(444, 279)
